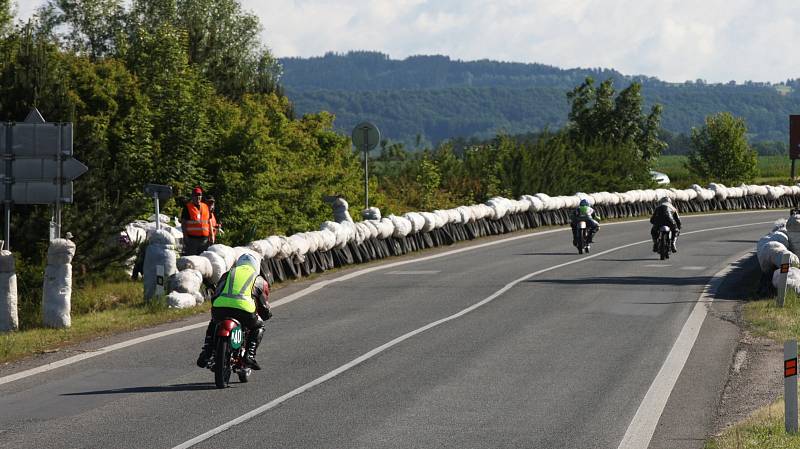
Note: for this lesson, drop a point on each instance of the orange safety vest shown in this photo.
(198, 224)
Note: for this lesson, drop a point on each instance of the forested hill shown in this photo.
(439, 98)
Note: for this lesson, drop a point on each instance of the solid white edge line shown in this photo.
(643, 425)
(310, 289)
(275, 402)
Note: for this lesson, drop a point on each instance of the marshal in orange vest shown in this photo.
(199, 223)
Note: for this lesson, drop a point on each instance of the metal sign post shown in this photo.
(366, 137)
(794, 140)
(790, 384)
(159, 193)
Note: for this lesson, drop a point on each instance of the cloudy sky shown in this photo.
(675, 40)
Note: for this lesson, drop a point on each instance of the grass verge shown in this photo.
(98, 310)
(765, 428)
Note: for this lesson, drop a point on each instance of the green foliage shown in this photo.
(439, 98)
(720, 151)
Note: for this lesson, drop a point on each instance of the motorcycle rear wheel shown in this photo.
(222, 363)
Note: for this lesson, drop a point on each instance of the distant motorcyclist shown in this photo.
(242, 294)
(584, 212)
(665, 214)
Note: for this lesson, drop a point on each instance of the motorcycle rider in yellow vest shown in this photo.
(242, 294)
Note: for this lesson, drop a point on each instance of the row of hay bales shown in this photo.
(783, 241)
(345, 242)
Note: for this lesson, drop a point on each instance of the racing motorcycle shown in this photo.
(229, 352)
(663, 242)
(582, 238)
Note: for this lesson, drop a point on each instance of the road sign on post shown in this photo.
(159, 193)
(38, 168)
(366, 137)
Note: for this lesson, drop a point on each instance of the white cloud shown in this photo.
(676, 40)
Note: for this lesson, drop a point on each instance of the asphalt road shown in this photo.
(561, 359)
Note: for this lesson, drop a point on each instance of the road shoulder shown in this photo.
(729, 373)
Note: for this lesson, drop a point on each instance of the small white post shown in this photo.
(790, 384)
(786, 259)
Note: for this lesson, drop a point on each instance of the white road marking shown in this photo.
(415, 272)
(674, 368)
(693, 268)
(643, 425)
(310, 289)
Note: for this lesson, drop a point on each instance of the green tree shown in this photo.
(720, 151)
(89, 27)
(223, 42)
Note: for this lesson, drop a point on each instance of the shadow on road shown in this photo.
(154, 389)
(628, 280)
(739, 241)
(547, 254)
(647, 259)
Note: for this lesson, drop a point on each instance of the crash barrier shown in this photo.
(339, 244)
(9, 319)
(57, 288)
(781, 245)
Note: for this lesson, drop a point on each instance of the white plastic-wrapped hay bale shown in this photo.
(720, 191)
(430, 221)
(9, 318)
(499, 207)
(374, 230)
(57, 295)
(417, 221)
(770, 254)
(336, 229)
(340, 212)
(186, 281)
(792, 279)
(328, 240)
(795, 190)
(385, 228)
(160, 252)
(311, 240)
(217, 263)
(442, 217)
(198, 263)
(178, 300)
(792, 227)
(465, 214)
(263, 247)
(402, 226)
(299, 245)
(226, 252)
(774, 193)
(349, 229)
(371, 213)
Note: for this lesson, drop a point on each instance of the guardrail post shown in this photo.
(790, 384)
(783, 277)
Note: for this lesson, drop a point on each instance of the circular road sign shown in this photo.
(366, 136)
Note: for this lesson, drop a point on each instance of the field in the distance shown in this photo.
(772, 170)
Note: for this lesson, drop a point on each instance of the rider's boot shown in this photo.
(672, 247)
(655, 246)
(252, 346)
(205, 354)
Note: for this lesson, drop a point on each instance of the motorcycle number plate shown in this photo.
(237, 337)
